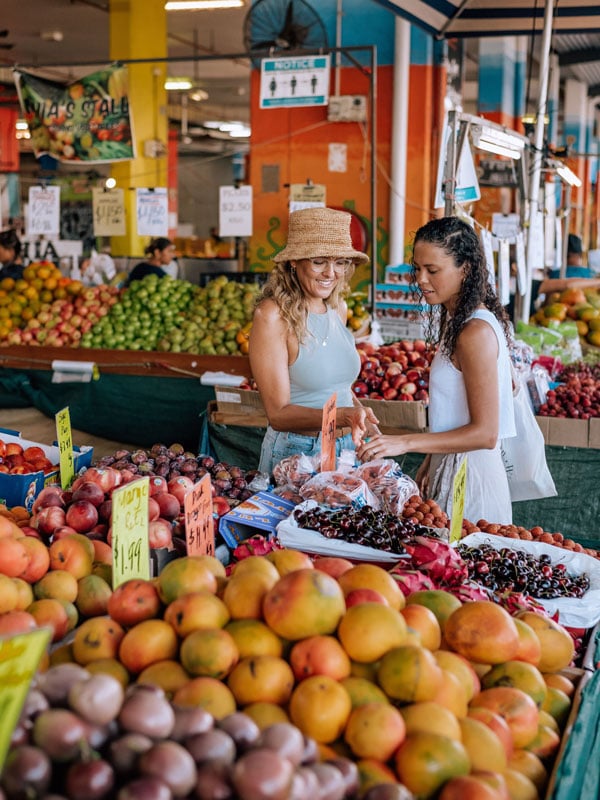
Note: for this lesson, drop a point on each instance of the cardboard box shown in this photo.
(561, 432)
(594, 433)
(396, 416)
(238, 401)
(260, 513)
(21, 490)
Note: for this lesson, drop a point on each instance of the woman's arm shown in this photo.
(549, 285)
(476, 356)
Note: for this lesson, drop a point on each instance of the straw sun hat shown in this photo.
(319, 232)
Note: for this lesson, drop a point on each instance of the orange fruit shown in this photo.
(244, 593)
(371, 576)
(431, 717)
(9, 594)
(95, 639)
(482, 631)
(519, 786)
(557, 704)
(208, 693)
(409, 674)
(529, 649)
(57, 583)
(320, 707)
(518, 709)
(195, 611)
(185, 575)
(287, 560)
(469, 786)
(24, 592)
(319, 655)
(362, 690)
(545, 743)
(147, 642)
(256, 565)
(484, 748)
(374, 730)
(520, 675)
(531, 766)
(424, 621)
(209, 653)
(452, 694)
(265, 714)
(168, 674)
(425, 761)
(373, 772)
(73, 554)
(555, 680)
(110, 666)
(369, 630)
(253, 638)
(14, 557)
(261, 679)
(439, 601)
(461, 668)
(304, 603)
(497, 724)
(556, 643)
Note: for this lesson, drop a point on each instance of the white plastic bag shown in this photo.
(524, 455)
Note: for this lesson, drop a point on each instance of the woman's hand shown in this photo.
(422, 476)
(362, 420)
(382, 446)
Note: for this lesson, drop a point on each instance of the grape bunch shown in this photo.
(518, 571)
(364, 526)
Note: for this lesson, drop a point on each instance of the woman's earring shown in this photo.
(293, 270)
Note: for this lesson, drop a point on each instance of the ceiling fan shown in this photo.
(5, 45)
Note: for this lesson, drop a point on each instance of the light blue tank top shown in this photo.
(327, 362)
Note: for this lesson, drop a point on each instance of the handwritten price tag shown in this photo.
(328, 435)
(459, 485)
(19, 659)
(130, 546)
(65, 446)
(199, 521)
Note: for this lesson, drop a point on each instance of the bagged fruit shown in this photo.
(337, 489)
(389, 484)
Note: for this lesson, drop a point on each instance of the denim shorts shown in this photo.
(277, 445)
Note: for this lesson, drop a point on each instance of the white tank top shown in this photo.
(448, 407)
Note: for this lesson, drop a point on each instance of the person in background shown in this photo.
(10, 255)
(471, 401)
(300, 349)
(160, 252)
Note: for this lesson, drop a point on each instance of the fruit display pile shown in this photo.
(18, 460)
(580, 305)
(535, 534)
(578, 394)
(398, 371)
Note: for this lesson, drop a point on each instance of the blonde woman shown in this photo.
(300, 349)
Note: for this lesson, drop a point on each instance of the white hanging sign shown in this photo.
(43, 217)
(504, 271)
(235, 211)
(108, 206)
(521, 264)
(152, 212)
(466, 189)
(488, 251)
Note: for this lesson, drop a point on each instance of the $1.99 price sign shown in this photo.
(328, 435)
(199, 522)
(65, 446)
(130, 545)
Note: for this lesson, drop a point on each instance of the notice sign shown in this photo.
(235, 211)
(306, 195)
(302, 81)
(43, 213)
(64, 436)
(199, 522)
(130, 545)
(19, 659)
(152, 212)
(108, 207)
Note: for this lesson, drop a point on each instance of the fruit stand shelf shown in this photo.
(125, 362)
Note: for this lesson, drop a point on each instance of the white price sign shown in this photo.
(235, 211)
(44, 210)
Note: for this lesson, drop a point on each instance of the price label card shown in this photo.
(130, 545)
(328, 435)
(19, 659)
(199, 521)
(65, 447)
(459, 485)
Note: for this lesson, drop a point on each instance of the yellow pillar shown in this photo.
(138, 30)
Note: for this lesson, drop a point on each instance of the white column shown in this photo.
(399, 139)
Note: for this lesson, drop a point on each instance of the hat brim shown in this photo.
(298, 253)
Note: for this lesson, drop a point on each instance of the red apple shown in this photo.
(82, 515)
(62, 531)
(153, 509)
(29, 531)
(179, 487)
(408, 388)
(47, 519)
(390, 394)
(160, 534)
(90, 491)
(422, 395)
(169, 505)
(157, 485)
(220, 506)
(107, 479)
(105, 510)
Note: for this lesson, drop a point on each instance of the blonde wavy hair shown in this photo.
(284, 288)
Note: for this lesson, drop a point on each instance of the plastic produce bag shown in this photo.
(389, 484)
(337, 489)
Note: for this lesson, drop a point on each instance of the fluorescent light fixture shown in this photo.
(568, 175)
(240, 132)
(200, 5)
(198, 95)
(178, 84)
(497, 141)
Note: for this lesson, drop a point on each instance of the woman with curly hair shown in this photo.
(470, 384)
(300, 349)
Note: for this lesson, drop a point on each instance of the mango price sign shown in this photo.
(130, 544)
(87, 121)
(19, 659)
(199, 522)
(65, 446)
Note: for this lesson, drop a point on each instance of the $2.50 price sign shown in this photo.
(130, 545)
(64, 437)
(199, 522)
(328, 435)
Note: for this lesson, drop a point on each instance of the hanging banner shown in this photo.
(152, 212)
(85, 121)
(109, 212)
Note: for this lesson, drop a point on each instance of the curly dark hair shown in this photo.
(458, 240)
